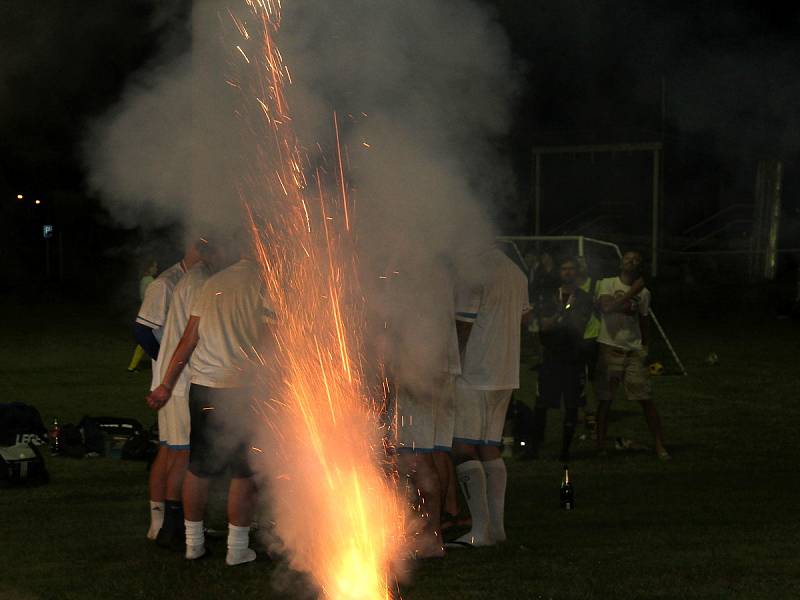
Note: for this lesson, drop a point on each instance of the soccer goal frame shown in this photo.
(581, 242)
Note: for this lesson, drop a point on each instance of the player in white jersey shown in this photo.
(425, 362)
(175, 414)
(149, 275)
(227, 325)
(624, 334)
(490, 312)
(148, 330)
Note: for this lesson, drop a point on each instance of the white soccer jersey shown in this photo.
(421, 307)
(618, 329)
(183, 297)
(154, 309)
(494, 304)
(144, 283)
(232, 308)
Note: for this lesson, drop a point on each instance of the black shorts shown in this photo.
(220, 436)
(559, 382)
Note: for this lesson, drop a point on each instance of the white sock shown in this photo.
(472, 479)
(156, 519)
(195, 539)
(238, 546)
(496, 494)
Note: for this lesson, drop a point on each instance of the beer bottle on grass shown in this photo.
(567, 492)
(55, 437)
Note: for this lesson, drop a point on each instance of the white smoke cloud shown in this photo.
(422, 90)
(433, 77)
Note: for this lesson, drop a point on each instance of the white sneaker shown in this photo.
(240, 556)
(195, 552)
(468, 540)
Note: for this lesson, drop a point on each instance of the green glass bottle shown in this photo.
(567, 491)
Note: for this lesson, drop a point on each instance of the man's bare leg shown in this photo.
(654, 423)
(177, 464)
(194, 496)
(603, 409)
(447, 480)
(421, 470)
(157, 483)
(241, 501)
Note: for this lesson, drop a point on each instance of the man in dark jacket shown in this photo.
(563, 314)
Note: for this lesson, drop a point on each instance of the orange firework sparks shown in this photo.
(337, 512)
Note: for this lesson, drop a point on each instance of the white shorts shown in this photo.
(480, 415)
(424, 421)
(162, 426)
(173, 423)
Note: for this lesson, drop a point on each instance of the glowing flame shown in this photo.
(337, 509)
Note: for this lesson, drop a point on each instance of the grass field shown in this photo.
(719, 521)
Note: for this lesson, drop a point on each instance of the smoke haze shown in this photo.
(422, 90)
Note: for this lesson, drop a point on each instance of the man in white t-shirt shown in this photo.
(624, 302)
(175, 414)
(490, 311)
(424, 364)
(148, 330)
(226, 327)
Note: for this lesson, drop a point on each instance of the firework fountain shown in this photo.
(337, 513)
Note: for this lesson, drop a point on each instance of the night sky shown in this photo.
(590, 71)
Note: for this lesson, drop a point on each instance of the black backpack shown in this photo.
(22, 464)
(21, 434)
(21, 423)
(98, 436)
(142, 445)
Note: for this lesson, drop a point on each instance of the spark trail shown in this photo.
(337, 513)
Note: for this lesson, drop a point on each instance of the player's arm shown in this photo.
(527, 317)
(151, 317)
(546, 313)
(183, 351)
(579, 315)
(145, 337)
(528, 314)
(546, 323)
(621, 304)
(644, 318)
(644, 327)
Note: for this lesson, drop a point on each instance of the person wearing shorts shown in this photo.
(174, 415)
(563, 315)
(220, 435)
(588, 347)
(148, 331)
(229, 315)
(424, 363)
(490, 309)
(624, 302)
